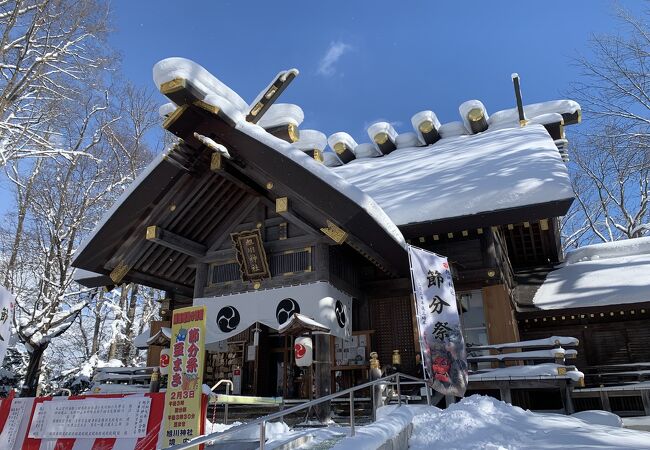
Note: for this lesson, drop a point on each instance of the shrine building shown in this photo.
(256, 218)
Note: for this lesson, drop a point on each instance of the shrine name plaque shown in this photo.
(91, 418)
(251, 255)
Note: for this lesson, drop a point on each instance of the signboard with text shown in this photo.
(441, 338)
(183, 417)
(107, 422)
(251, 255)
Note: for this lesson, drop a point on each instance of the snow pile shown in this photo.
(599, 275)
(464, 175)
(217, 427)
(480, 422)
(272, 430)
(373, 436)
(598, 417)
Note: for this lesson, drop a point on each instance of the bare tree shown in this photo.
(610, 172)
(66, 198)
(47, 47)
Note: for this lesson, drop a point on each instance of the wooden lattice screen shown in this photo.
(392, 320)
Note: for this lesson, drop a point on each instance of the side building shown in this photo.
(254, 218)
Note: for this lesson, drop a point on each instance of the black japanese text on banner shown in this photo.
(441, 337)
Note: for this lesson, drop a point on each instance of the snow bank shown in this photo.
(464, 175)
(273, 430)
(480, 422)
(599, 275)
(392, 426)
(596, 417)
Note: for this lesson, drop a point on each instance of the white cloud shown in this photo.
(333, 54)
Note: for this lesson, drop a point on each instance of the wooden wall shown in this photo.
(499, 315)
(619, 341)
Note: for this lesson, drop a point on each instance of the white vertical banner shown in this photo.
(6, 312)
(441, 338)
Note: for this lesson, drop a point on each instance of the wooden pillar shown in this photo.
(505, 392)
(645, 397)
(567, 402)
(200, 279)
(322, 368)
(604, 399)
(499, 315)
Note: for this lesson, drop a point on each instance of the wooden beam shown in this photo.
(180, 91)
(173, 241)
(271, 94)
(288, 132)
(224, 232)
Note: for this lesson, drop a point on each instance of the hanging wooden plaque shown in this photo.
(251, 256)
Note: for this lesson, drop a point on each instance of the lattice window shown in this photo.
(223, 273)
(291, 262)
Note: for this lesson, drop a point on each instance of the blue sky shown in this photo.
(365, 61)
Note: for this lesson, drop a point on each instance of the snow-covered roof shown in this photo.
(299, 323)
(599, 275)
(464, 175)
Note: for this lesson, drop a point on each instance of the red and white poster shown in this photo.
(92, 422)
(441, 338)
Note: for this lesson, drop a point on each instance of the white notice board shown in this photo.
(16, 423)
(91, 418)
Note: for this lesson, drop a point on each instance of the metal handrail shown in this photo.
(261, 421)
(224, 381)
(229, 385)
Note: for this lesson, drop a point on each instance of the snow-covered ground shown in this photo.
(476, 422)
(480, 422)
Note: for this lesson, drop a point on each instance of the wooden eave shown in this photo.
(537, 313)
(180, 196)
(527, 213)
